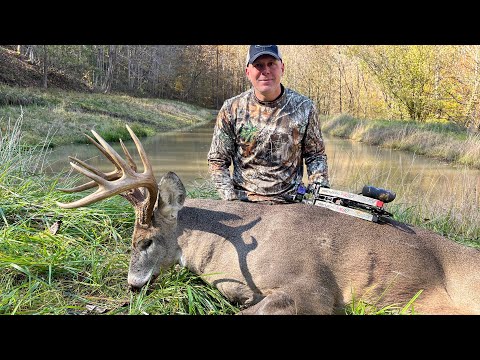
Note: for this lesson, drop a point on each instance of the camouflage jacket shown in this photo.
(267, 143)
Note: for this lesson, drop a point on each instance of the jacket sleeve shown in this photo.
(221, 153)
(314, 151)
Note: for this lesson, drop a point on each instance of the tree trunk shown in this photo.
(217, 90)
(45, 66)
(107, 85)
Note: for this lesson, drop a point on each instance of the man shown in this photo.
(267, 132)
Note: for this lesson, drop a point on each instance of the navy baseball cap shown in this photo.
(254, 51)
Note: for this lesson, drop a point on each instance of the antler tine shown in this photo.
(112, 184)
(114, 156)
(129, 157)
(113, 175)
(147, 171)
(141, 151)
(104, 189)
(102, 150)
(125, 150)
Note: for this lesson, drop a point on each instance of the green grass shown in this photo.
(361, 306)
(84, 266)
(65, 116)
(443, 141)
(82, 269)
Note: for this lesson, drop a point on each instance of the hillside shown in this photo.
(68, 107)
(16, 70)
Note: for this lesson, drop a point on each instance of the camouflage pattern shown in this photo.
(267, 142)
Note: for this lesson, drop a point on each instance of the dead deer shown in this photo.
(281, 259)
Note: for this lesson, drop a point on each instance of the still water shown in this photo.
(351, 165)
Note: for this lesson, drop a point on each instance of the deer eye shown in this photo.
(146, 244)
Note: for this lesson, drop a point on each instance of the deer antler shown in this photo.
(124, 180)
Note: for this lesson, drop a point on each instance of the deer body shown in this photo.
(284, 259)
(319, 259)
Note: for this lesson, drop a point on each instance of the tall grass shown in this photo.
(17, 157)
(446, 201)
(445, 141)
(81, 268)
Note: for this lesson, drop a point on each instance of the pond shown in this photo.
(415, 179)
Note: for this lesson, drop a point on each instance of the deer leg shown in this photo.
(276, 303)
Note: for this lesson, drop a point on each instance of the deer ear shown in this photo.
(171, 195)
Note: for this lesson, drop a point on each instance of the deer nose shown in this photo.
(134, 288)
(136, 285)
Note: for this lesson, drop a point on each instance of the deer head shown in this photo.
(156, 206)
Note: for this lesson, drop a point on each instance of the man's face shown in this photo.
(265, 75)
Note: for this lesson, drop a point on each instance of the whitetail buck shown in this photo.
(282, 259)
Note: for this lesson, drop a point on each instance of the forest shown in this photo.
(420, 83)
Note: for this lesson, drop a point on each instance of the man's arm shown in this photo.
(220, 155)
(314, 151)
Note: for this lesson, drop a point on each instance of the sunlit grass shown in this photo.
(82, 268)
(445, 141)
(363, 306)
(68, 115)
(84, 265)
(202, 188)
(446, 201)
(180, 292)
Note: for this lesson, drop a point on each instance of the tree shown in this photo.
(45, 66)
(407, 75)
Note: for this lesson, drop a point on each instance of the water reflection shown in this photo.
(184, 153)
(351, 165)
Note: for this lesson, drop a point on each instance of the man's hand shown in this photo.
(319, 180)
(322, 183)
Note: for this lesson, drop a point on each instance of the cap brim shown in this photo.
(256, 56)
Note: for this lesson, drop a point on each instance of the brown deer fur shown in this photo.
(289, 258)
